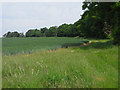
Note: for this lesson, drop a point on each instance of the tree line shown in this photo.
(64, 30)
(99, 20)
(13, 34)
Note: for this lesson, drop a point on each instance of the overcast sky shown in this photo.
(28, 15)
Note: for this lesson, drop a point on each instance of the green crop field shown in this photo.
(42, 63)
(27, 45)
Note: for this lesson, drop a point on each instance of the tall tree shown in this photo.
(51, 32)
(99, 19)
(43, 30)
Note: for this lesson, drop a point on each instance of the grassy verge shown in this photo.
(91, 66)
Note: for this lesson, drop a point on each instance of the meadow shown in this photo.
(44, 64)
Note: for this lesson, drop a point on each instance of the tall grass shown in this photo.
(89, 66)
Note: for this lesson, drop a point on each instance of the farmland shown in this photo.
(42, 63)
(27, 45)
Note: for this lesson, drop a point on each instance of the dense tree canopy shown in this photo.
(33, 33)
(51, 32)
(100, 20)
(43, 30)
(13, 34)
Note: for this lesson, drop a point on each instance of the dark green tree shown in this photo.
(51, 32)
(15, 34)
(62, 30)
(37, 33)
(43, 30)
(99, 20)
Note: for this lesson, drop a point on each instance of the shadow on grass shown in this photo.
(99, 45)
(66, 45)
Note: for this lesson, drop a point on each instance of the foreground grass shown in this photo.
(92, 66)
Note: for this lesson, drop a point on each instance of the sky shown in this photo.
(22, 16)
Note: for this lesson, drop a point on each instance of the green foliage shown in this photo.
(67, 30)
(84, 5)
(13, 34)
(51, 32)
(91, 27)
(43, 31)
(92, 66)
(100, 20)
(62, 29)
(33, 33)
(37, 33)
(30, 33)
(13, 46)
(116, 24)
